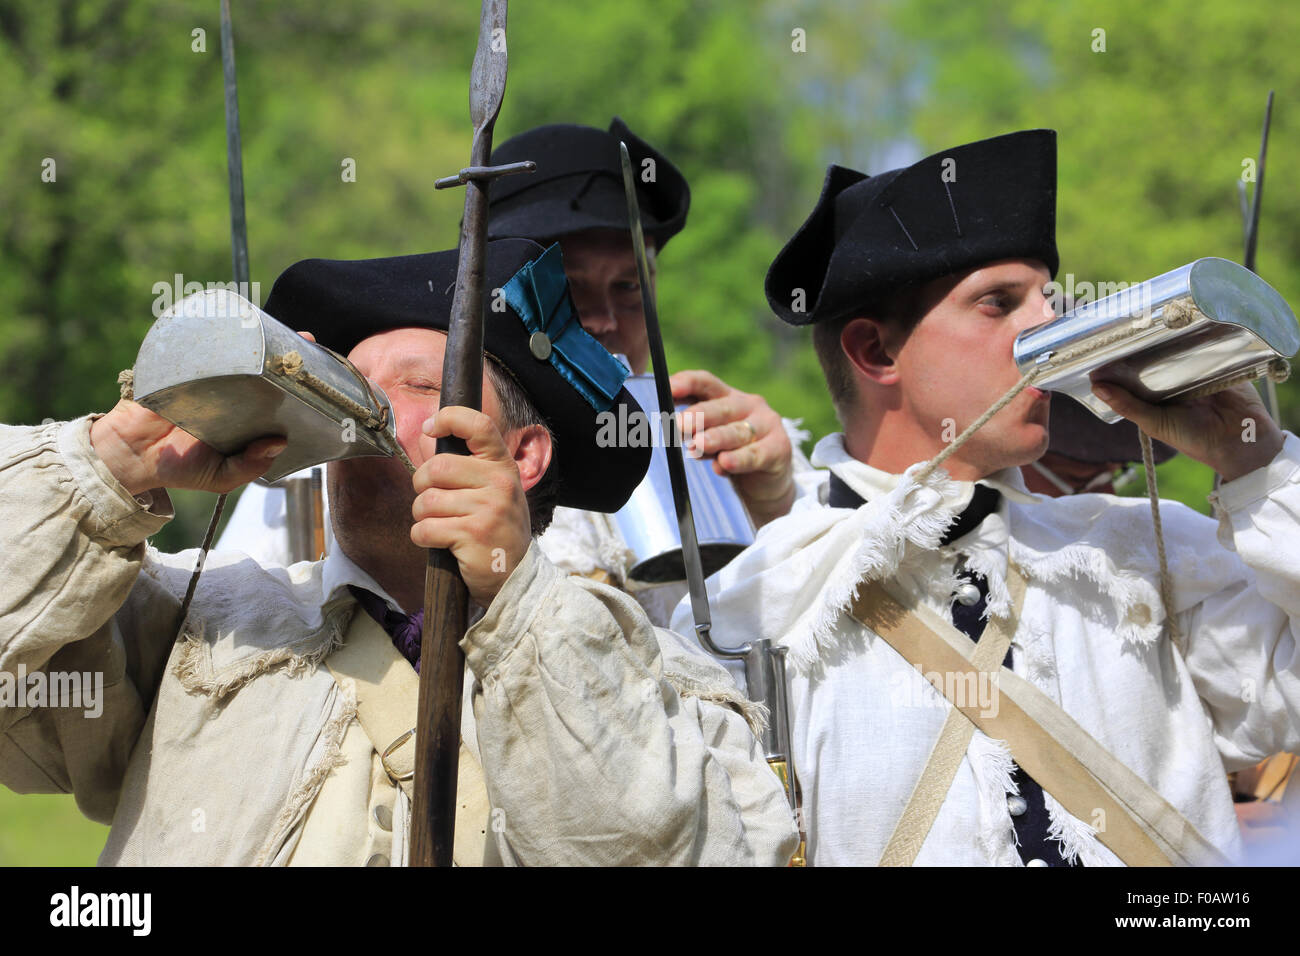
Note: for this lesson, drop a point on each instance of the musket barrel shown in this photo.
(299, 518)
(234, 153)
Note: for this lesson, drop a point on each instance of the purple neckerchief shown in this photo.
(404, 629)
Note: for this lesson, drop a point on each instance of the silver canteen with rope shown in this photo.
(1193, 331)
(226, 372)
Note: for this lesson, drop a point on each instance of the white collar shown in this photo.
(872, 482)
(338, 571)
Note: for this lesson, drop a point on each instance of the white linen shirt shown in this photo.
(602, 739)
(1090, 637)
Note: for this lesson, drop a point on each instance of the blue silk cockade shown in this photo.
(539, 293)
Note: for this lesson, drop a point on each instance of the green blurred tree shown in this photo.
(127, 99)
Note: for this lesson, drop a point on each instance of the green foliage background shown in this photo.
(1153, 132)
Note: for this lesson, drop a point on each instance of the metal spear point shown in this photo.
(446, 601)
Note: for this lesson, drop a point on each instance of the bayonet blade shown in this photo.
(672, 443)
(1252, 232)
(234, 151)
(1269, 387)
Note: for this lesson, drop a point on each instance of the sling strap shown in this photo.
(387, 690)
(953, 741)
(1134, 821)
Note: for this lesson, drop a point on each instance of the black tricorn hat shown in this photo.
(578, 185)
(1079, 434)
(868, 235)
(342, 302)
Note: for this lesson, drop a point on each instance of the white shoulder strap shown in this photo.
(954, 740)
(1141, 827)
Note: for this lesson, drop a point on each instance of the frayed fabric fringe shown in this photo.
(882, 533)
(193, 667)
(994, 770)
(704, 687)
(302, 795)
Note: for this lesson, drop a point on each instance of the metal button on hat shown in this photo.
(1037, 862)
(540, 346)
(967, 594)
(1017, 805)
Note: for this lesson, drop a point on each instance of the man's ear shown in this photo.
(531, 448)
(867, 344)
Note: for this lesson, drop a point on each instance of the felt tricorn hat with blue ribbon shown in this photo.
(869, 235)
(534, 335)
(578, 185)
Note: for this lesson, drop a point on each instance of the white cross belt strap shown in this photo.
(1139, 825)
(954, 740)
(388, 690)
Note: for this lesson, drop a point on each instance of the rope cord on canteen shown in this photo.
(290, 364)
(1277, 369)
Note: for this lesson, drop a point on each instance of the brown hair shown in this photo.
(904, 306)
(518, 411)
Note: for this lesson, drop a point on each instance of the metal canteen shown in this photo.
(226, 372)
(1197, 326)
(648, 523)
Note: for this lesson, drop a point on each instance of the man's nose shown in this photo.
(1039, 310)
(597, 317)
